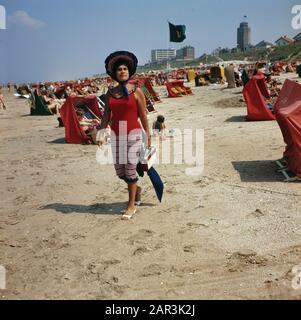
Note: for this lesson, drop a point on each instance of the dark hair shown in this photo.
(119, 63)
(80, 112)
(160, 119)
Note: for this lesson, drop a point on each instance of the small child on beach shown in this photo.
(159, 127)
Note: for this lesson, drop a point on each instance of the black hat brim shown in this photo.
(113, 58)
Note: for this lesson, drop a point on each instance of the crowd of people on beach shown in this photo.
(51, 97)
(54, 94)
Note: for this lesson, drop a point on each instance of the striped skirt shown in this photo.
(126, 155)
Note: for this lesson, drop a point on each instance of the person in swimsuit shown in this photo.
(88, 126)
(126, 111)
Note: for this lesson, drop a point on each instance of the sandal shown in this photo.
(128, 216)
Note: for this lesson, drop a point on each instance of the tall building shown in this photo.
(159, 55)
(244, 36)
(186, 53)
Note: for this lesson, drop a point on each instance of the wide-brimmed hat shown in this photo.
(118, 56)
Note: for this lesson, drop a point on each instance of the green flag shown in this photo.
(177, 33)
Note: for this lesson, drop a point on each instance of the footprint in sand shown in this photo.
(11, 189)
(109, 263)
(141, 250)
(40, 183)
(257, 214)
(78, 236)
(152, 270)
(189, 249)
(191, 226)
(109, 290)
(140, 236)
(160, 245)
(201, 183)
(14, 221)
(89, 182)
(20, 200)
(95, 268)
(239, 261)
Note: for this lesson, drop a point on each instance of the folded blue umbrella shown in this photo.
(157, 182)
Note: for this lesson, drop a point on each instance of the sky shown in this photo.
(48, 40)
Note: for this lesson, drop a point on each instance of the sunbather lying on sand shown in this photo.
(88, 126)
(54, 105)
(274, 89)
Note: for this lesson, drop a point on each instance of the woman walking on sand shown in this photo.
(126, 111)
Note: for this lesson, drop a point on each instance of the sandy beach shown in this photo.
(233, 233)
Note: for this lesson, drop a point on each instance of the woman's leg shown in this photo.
(131, 177)
(138, 195)
(52, 108)
(131, 209)
(132, 187)
(93, 134)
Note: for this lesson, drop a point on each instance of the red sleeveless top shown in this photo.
(124, 109)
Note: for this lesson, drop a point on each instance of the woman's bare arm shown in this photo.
(101, 137)
(107, 114)
(140, 98)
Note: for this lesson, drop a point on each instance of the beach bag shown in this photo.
(104, 154)
(148, 158)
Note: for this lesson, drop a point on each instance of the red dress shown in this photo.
(126, 142)
(124, 109)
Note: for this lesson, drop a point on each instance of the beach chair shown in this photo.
(177, 89)
(148, 85)
(215, 74)
(254, 93)
(181, 90)
(73, 132)
(39, 107)
(149, 98)
(172, 91)
(186, 90)
(288, 114)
